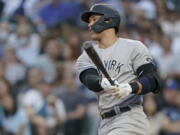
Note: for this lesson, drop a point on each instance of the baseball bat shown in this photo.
(88, 47)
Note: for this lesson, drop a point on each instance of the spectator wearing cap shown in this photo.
(171, 122)
(170, 91)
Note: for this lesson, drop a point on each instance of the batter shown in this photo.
(130, 65)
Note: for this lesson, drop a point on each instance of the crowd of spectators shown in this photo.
(40, 41)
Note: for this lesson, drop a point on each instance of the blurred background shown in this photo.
(40, 40)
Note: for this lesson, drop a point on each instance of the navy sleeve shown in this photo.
(91, 79)
(148, 77)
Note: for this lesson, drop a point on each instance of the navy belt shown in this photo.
(117, 110)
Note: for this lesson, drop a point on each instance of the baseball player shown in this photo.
(130, 65)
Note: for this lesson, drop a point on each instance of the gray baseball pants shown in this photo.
(133, 122)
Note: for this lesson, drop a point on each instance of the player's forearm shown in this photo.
(90, 78)
(148, 80)
(144, 85)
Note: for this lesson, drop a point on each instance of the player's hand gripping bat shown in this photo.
(88, 47)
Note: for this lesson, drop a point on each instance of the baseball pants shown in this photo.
(133, 122)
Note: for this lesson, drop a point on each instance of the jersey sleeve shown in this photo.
(140, 56)
(83, 63)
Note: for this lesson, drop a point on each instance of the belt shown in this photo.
(117, 110)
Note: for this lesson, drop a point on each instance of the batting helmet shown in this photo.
(110, 17)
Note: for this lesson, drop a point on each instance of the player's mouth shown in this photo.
(91, 31)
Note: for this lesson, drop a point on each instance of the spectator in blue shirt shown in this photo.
(172, 112)
(58, 11)
(14, 120)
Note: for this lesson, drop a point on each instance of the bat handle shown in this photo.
(111, 81)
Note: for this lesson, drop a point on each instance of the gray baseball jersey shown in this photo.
(121, 61)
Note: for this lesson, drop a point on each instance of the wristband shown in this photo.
(135, 87)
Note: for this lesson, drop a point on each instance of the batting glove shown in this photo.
(121, 90)
(118, 90)
(106, 85)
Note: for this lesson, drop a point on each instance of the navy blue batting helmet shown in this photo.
(107, 13)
